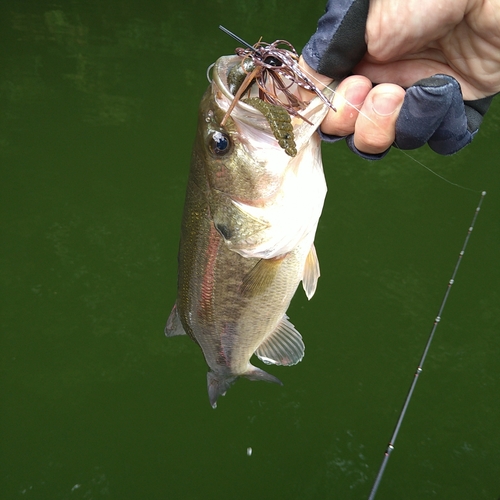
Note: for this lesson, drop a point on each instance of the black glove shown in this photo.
(433, 110)
(435, 113)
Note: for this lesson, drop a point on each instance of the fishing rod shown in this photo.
(390, 446)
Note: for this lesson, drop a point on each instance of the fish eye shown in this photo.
(220, 144)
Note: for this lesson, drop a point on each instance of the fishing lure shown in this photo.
(279, 121)
(276, 72)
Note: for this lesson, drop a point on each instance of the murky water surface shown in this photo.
(98, 111)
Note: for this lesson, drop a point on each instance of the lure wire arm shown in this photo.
(237, 38)
(278, 63)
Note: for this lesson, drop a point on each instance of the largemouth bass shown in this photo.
(247, 237)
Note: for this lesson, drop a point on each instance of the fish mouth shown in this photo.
(224, 98)
(220, 72)
(304, 125)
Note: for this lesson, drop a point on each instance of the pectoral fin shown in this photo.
(311, 273)
(174, 326)
(283, 347)
(261, 276)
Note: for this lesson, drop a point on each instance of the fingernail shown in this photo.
(385, 104)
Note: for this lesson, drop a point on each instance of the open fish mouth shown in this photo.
(275, 69)
(263, 123)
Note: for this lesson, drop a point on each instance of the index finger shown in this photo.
(348, 100)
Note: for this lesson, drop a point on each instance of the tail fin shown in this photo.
(219, 384)
(254, 373)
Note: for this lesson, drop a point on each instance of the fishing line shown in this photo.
(433, 172)
(320, 93)
(437, 320)
(390, 446)
(312, 77)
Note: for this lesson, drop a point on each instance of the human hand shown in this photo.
(460, 39)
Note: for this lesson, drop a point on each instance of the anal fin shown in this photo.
(283, 347)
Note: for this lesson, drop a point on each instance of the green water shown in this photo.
(98, 108)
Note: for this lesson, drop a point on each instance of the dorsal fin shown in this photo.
(283, 347)
(311, 273)
(174, 326)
